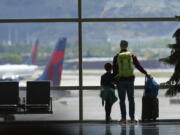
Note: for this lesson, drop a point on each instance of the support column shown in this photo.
(80, 61)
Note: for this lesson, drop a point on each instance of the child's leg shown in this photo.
(108, 107)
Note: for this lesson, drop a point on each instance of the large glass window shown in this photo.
(100, 42)
(93, 108)
(65, 107)
(147, 40)
(130, 8)
(38, 9)
(17, 44)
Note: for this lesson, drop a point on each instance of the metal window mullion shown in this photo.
(152, 19)
(41, 20)
(79, 19)
(80, 61)
(94, 88)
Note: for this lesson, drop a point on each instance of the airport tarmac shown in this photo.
(92, 77)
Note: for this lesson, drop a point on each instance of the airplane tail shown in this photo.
(33, 58)
(54, 66)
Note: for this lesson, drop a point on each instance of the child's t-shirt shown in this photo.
(107, 79)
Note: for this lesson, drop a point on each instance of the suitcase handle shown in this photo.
(146, 77)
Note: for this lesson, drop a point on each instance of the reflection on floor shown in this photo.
(92, 128)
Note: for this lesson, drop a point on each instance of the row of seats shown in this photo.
(37, 98)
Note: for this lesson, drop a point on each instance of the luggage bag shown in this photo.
(150, 108)
(150, 102)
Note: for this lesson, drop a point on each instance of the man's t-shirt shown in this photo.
(135, 62)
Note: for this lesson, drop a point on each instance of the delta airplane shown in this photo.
(52, 71)
(11, 72)
(54, 67)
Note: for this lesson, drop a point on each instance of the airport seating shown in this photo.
(9, 97)
(38, 98)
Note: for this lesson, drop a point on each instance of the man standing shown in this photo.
(123, 70)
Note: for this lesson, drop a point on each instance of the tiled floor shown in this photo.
(55, 128)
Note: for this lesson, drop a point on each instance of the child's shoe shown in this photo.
(108, 119)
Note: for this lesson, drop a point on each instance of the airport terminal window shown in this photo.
(130, 8)
(110, 10)
(18, 40)
(11, 9)
(148, 40)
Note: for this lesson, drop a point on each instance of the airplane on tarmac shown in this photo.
(16, 72)
(33, 59)
(54, 67)
(52, 71)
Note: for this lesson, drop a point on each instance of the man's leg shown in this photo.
(130, 93)
(122, 97)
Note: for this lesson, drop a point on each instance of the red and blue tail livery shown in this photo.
(54, 66)
(33, 58)
(34, 53)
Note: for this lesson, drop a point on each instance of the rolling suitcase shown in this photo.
(150, 108)
(150, 102)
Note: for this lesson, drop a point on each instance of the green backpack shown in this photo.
(125, 64)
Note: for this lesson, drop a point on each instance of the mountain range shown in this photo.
(93, 33)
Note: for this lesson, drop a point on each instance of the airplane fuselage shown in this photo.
(21, 70)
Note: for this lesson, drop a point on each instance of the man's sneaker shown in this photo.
(123, 120)
(132, 121)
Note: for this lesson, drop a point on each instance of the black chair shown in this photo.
(9, 97)
(38, 98)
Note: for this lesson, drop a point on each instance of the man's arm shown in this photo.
(138, 65)
(101, 81)
(115, 67)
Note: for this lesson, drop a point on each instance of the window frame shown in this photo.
(80, 21)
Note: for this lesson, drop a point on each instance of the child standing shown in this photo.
(108, 90)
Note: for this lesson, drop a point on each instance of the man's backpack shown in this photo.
(125, 64)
